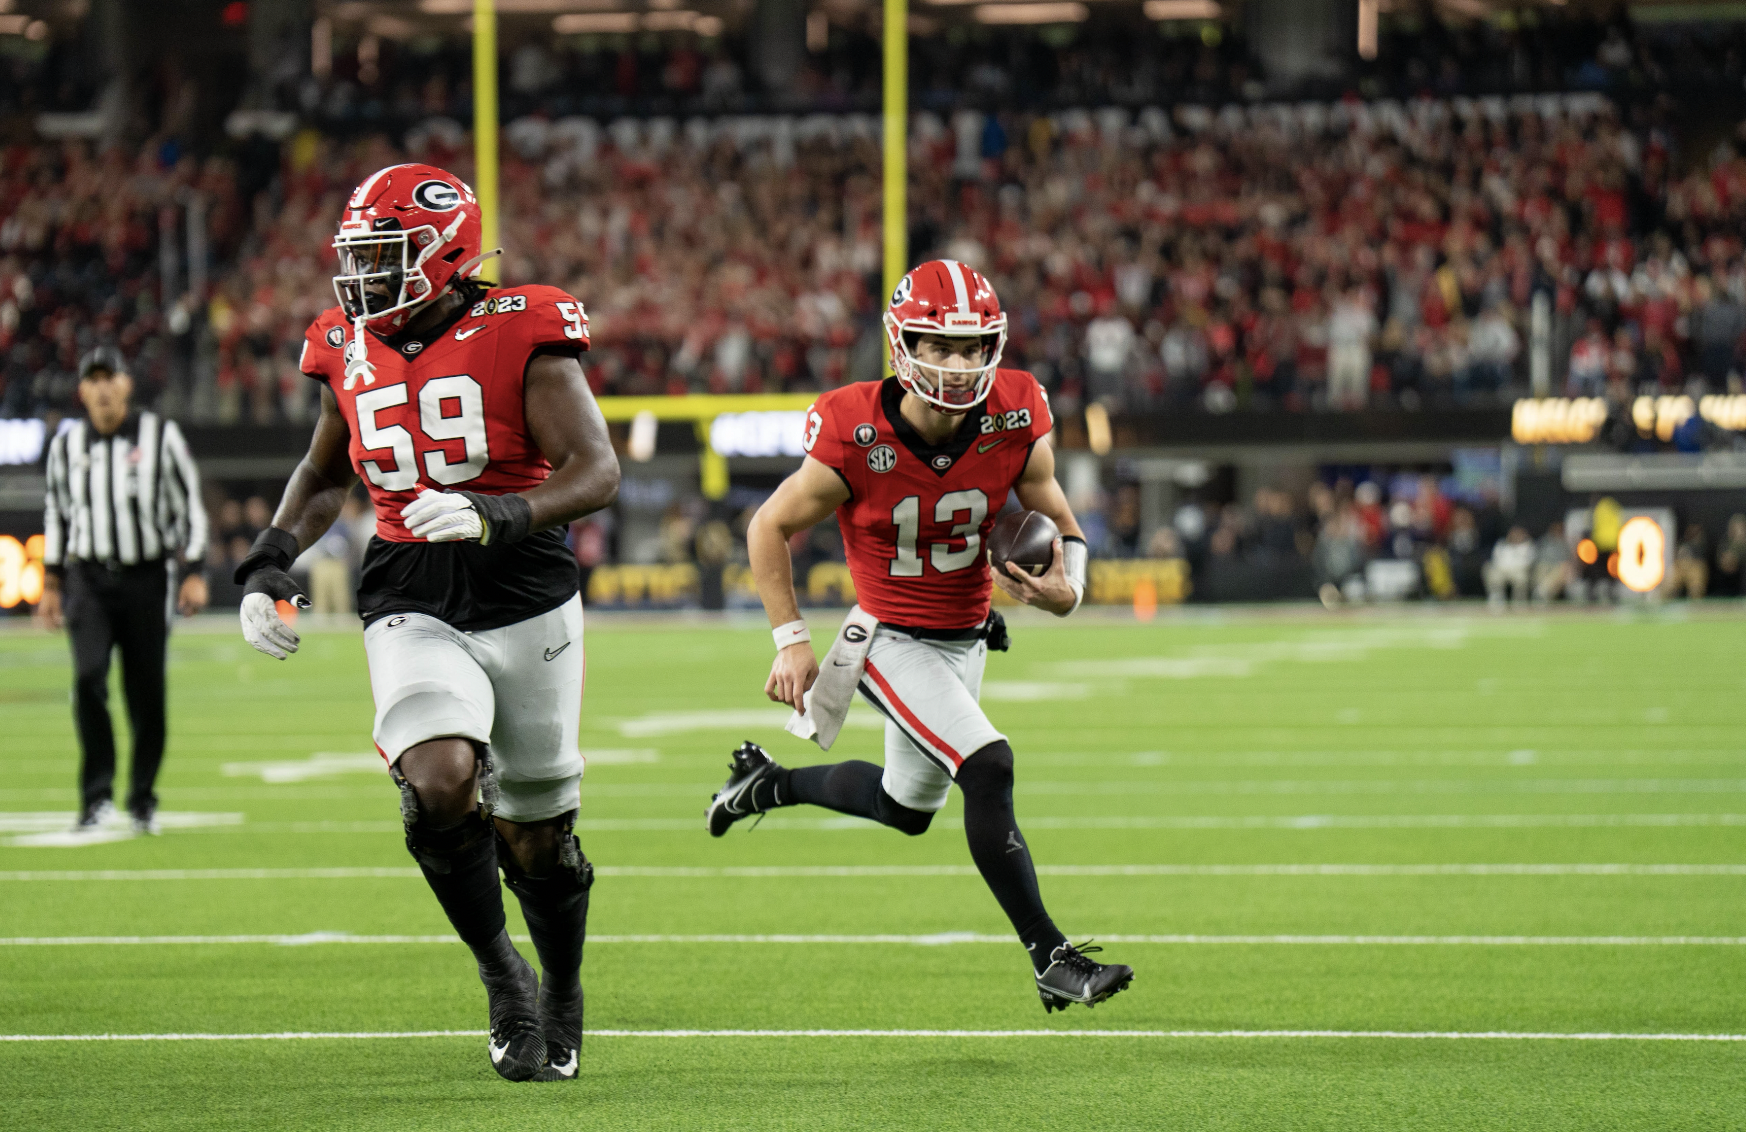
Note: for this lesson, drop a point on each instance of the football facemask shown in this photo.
(945, 298)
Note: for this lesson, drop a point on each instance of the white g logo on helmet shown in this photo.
(437, 196)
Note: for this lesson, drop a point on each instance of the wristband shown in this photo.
(505, 518)
(1074, 555)
(793, 633)
(273, 547)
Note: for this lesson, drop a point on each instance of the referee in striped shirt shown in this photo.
(123, 512)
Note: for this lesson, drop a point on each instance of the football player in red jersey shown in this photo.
(464, 408)
(916, 468)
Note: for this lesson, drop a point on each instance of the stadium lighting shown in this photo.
(580, 23)
(516, 7)
(1067, 13)
(1184, 9)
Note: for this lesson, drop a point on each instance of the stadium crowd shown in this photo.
(1312, 256)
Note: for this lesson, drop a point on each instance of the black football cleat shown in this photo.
(561, 1021)
(94, 817)
(733, 801)
(1070, 977)
(517, 1044)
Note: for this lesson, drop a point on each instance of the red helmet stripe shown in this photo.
(956, 271)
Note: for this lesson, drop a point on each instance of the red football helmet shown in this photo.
(944, 297)
(408, 233)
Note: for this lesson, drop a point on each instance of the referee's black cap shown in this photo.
(106, 358)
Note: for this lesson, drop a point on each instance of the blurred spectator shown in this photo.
(1731, 555)
(1718, 321)
(1492, 346)
(1511, 567)
(1339, 554)
(1351, 326)
(1691, 563)
(1554, 564)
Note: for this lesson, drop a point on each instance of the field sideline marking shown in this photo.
(1395, 1035)
(937, 939)
(768, 871)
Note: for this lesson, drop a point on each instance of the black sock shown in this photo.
(556, 910)
(460, 865)
(1000, 852)
(852, 787)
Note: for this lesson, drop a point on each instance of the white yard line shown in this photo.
(1385, 1035)
(845, 871)
(938, 939)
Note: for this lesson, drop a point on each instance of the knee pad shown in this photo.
(574, 874)
(891, 812)
(988, 772)
(439, 849)
(485, 775)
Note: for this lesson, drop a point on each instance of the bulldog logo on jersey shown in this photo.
(882, 458)
(436, 196)
(336, 338)
(865, 434)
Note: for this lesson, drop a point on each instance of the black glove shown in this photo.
(994, 632)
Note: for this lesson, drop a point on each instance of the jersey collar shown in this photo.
(400, 342)
(938, 459)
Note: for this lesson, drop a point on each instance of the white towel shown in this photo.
(828, 700)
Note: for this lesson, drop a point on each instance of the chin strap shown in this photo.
(465, 270)
(358, 356)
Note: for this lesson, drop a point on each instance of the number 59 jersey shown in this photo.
(918, 514)
(444, 412)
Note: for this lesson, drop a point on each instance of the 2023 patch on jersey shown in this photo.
(917, 514)
(444, 412)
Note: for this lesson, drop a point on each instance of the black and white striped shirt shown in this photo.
(123, 499)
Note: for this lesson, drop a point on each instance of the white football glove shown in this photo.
(443, 516)
(263, 628)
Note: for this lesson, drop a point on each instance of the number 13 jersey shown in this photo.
(444, 412)
(917, 516)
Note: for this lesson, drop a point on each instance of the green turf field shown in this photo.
(1461, 775)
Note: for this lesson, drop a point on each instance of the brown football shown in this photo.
(1024, 538)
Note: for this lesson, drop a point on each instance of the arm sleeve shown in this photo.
(188, 481)
(54, 517)
(819, 437)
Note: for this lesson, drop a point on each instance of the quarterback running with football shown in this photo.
(916, 468)
(464, 408)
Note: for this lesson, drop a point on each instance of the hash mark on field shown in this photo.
(1385, 1035)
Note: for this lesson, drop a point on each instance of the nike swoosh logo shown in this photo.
(552, 654)
(981, 448)
(497, 1051)
(463, 335)
(568, 1068)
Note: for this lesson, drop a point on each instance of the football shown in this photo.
(1024, 538)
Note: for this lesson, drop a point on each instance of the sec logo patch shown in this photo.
(865, 434)
(336, 337)
(882, 458)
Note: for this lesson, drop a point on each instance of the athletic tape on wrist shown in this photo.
(1074, 555)
(505, 518)
(793, 633)
(273, 547)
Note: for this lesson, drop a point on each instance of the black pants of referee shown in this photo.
(106, 607)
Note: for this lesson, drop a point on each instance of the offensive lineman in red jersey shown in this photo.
(916, 467)
(464, 408)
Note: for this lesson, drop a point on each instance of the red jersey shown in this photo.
(917, 514)
(445, 412)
